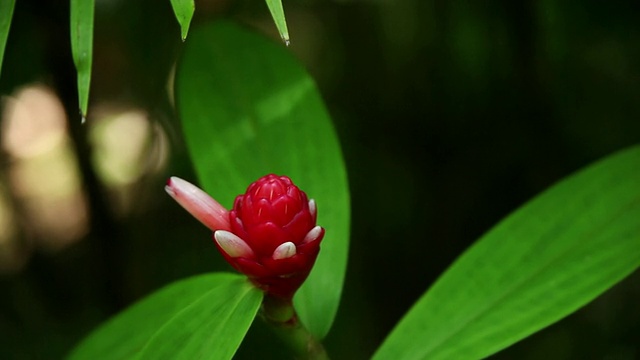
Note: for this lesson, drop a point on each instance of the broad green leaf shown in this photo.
(6, 13)
(277, 13)
(82, 47)
(202, 317)
(184, 10)
(248, 108)
(550, 257)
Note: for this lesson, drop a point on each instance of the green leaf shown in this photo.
(248, 108)
(277, 13)
(184, 10)
(544, 261)
(6, 13)
(82, 47)
(202, 317)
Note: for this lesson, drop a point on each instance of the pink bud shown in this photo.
(199, 204)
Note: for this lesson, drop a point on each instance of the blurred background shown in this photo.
(451, 114)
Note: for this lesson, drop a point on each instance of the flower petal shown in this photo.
(313, 210)
(284, 251)
(232, 244)
(314, 234)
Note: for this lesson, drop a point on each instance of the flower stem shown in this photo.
(281, 314)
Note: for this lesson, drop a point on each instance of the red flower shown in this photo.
(270, 235)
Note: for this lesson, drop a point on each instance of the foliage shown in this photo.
(6, 12)
(247, 106)
(82, 46)
(184, 10)
(538, 265)
(532, 269)
(203, 317)
(266, 117)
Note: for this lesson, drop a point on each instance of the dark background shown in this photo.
(451, 114)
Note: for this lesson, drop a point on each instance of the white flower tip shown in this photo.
(284, 251)
(173, 186)
(233, 245)
(177, 183)
(170, 191)
(312, 208)
(312, 235)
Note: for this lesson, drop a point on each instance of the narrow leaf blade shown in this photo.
(6, 14)
(203, 317)
(547, 259)
(277, 13)
(184, 10)
(249, 109)
(82, 16)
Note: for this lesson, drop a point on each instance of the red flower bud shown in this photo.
(270, 235)
(278, 223)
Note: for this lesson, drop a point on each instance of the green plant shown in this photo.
(546, 260)
(248, 108)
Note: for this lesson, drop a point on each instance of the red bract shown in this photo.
(278, 223)
(270, 234)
